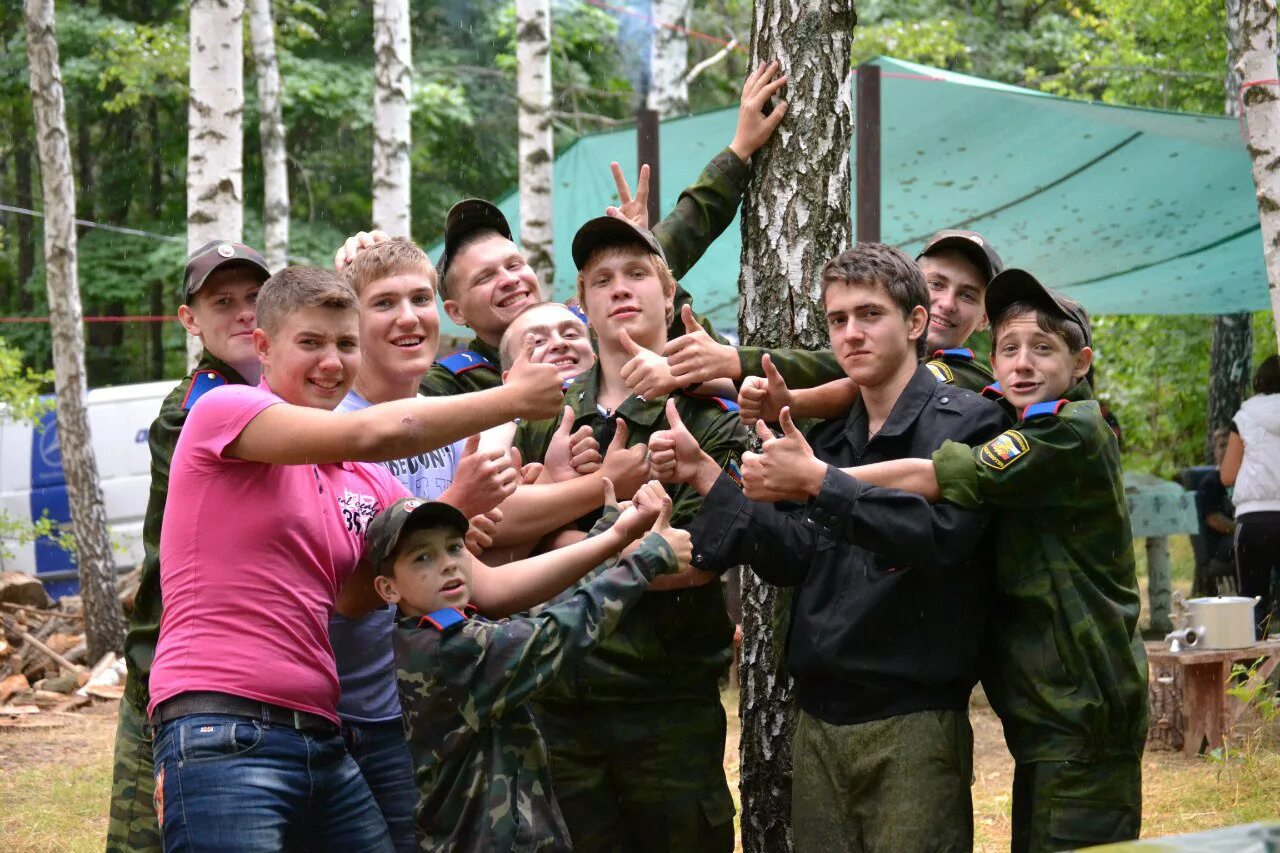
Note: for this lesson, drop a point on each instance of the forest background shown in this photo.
(125, 71)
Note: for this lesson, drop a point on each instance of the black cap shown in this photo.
(464, 218)
(405, 516)
(611, 231)
(972, 245)
(1015, 285)
(216, 255)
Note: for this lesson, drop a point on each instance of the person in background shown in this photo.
(1217, 512)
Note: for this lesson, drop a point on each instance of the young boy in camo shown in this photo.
(465, 682)
(1065, 667)
(219, 287)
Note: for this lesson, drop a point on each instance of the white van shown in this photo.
(32, 482)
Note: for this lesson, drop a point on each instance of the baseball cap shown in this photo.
(971, 244)
(1015, 285)
(464, 218)
(405, 516)
(215, 255)
(611, 231)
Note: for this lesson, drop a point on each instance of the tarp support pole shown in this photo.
(647, 129)
(867, 142)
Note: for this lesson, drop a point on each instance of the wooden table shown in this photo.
(1158, 509)
(1208, 713)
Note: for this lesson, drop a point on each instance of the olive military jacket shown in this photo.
(144, 621)
(958, 367)
(675, 644)
(1065, 669)
(481, 766)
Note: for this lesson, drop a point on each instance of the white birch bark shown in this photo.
(795, 217)
(104, 620)
(275, 175)
(215, 150)
(533, 95)
(392, 91)
(669, 59)
(1257, 64)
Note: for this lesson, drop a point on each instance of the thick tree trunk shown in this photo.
(795, 217)
(669, 59)
(393, 79)
(275, 176)
(533, 94)
(104, 620)
(215, 156)
(1257, 65)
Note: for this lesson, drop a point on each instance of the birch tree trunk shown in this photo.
(103, 618)
(533, 95)
(1257, 65)
(795, 217)
(215, 155)
(275, 176)
(392, 82)
(669, 59)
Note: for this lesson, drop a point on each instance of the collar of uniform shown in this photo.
(584, 392)
(209, 361)
(1079, 392)
(905, 411)
(491, 353)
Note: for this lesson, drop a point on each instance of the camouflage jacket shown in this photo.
(959, 367)
(144, 622)
(677, 643)
(480, 764)
(1065, 668)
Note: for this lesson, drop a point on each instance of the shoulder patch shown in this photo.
(955, 352)
(725, 404)
(443, 619)
(1041, 410)
(202, 383)
(464, 361)
(993, 391)
(1003, 450)
(941, 371)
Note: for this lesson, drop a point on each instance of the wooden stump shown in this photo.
(1168, 720)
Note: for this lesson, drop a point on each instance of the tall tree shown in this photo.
(1261, 100)
(275, 175)
(536, 152)
(392, 92)
(215, 167)
(795, 216)
(104, 620)
(669, 58)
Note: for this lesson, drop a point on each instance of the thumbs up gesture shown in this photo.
(697, 357)
(763, 397)
(646, 373)
(785, 468)
(535, 391)
(571, 453)
(482, 480)
(676, 457)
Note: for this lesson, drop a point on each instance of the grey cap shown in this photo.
(216, 255)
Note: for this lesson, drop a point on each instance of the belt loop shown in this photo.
(265, 710)
(297, 721)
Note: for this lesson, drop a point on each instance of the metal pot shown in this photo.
(1223, 622)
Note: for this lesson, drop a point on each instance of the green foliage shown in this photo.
(20, 387)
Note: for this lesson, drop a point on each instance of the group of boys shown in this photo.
(939, 526)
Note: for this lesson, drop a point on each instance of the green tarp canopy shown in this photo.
(1131, 211)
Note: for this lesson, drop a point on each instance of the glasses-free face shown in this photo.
(956, 290)
(1034, 365)
(490, 283)
(871, 338)
(399, 325)
(432, 570)
(622, 290)
(221, 313)
(313, 358)
(558, 337)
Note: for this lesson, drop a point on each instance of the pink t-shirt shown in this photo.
(251, 560)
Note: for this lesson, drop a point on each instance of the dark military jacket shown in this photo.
(891, 591)
(144, 621)
(1065, 669)
(480, 764)
(676, 644)
(959, 367)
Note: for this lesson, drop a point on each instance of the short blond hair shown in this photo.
(397, 256)
(665, 277)
(301, 287)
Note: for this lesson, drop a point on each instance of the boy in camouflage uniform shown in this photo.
(219, 288)
(1065, 670)
(465, 682)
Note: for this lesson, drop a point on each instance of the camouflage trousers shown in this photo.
(1063, 805)
(897, 785)
(643, 777)
(133, 826)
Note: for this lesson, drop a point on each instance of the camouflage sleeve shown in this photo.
(801, 368)
(162, 438)
(703, 211)
(438, 382)
(502, 664)
(676, 329)
(1035, 464)
(532, 438)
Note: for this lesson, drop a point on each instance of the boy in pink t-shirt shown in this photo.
(264, 525)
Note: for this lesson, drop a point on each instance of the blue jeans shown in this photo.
(387, 765)
(230, 783)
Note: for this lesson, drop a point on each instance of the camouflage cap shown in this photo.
(404, 516)
(1015, 285)
(465, 218)
(972, 245)
(216, 255)
(611, 231)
